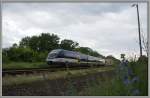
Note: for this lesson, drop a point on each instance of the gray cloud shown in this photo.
(109, 28)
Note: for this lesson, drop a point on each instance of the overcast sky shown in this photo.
(109, 28)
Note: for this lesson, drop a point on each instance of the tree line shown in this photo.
(36, 48)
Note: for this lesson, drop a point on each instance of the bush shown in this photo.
(23, 54)
(20, 54)
(119, 87)
(40, 57)
(5, 59)
(140, 69)
(26, 55)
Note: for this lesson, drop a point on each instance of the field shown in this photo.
(102, 81)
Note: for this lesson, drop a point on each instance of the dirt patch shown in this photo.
(57, 87)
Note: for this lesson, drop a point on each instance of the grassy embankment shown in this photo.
(20, 79)
(69, 82)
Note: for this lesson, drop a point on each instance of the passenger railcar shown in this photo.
(62, 57)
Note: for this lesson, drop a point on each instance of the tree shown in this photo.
(68, 44)
(95, 53)
(25, 42)
(41, 43)
(36, 48)
(34, 43)
(14, 45)
(31, 42)
(85, 50)
(89, 51)
(48, 42)
(145, 44)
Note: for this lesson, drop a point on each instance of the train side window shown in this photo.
(61, 54)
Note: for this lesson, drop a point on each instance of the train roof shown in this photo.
(75, 52)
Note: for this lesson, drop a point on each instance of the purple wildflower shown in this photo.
(130, 72)
(135, 92)
(126, 81)
(135, 79)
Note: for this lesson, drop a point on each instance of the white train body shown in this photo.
(65, 56)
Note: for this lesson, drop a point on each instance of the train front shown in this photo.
(52, 56)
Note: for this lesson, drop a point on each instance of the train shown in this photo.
(62, 57)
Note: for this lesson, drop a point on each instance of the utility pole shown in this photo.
(138, 27)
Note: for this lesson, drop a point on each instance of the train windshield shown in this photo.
(53, 53)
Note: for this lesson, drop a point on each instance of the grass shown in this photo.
(56, 83)
(20, 79)
(140, 69)
(115, 87)
(20, 65)
(106, 87)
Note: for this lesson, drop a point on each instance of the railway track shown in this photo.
(46, 69)
(36, 70)
(25, 71)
